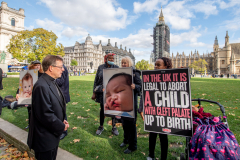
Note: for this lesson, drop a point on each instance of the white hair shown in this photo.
(129, 60)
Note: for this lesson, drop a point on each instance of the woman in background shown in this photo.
(129, 127)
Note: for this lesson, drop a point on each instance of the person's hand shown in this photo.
(133, 86)
(103, 90)
(66, 125)
(65, 122)
(195, 108)
(142, 115)
(94, 96)
(26, 95)
(17, 96)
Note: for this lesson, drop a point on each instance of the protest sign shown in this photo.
(167, 101)
(26, 82)
(118, 94)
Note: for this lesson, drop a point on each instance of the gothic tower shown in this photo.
(161, 39)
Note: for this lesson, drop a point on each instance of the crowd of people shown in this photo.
(47, 113)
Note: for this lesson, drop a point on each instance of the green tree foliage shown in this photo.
(200, 65)
(74, 62)
(34, 45)
(142, 65)
(151, 66)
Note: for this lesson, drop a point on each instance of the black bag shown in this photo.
(6, 103)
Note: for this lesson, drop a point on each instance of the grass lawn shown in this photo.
(83, 114)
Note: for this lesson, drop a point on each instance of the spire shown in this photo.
(161, 17)
(216, 41)
(226, 39)
(227, 34)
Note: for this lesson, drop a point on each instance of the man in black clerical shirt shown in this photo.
(48, 111)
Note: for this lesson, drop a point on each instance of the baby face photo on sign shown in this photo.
(27, 79)
(118, 94)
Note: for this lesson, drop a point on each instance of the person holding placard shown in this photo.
(98, 91)
(161, 63)
(129, 127)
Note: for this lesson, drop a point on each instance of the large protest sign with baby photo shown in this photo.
(167, 101)
(118, 94)
(27, 79)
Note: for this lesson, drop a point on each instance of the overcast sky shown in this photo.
(193, 23)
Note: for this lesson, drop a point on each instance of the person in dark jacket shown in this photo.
(161, 63)
(129, 127)
(48, 111)
(98, 93)
(63, 83)
(1, 72)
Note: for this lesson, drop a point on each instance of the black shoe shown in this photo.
(115, 131)
(127, 151)
(99, 130)
(63, 135)
(27, 127)
(123, 144)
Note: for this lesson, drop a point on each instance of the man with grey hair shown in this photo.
(48, 111)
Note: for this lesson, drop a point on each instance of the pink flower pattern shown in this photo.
(212, 140)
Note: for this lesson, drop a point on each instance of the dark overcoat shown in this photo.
(48, 113)
(63, 83)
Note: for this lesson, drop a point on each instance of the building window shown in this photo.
(13, 22)
(223, 61)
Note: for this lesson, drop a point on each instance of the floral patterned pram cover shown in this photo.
(212, 140)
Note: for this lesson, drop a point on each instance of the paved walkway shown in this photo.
(18, 137)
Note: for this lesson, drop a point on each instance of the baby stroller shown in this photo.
(185, 156)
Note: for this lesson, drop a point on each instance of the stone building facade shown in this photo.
(120, 52)
(87, 53)
(11, 22)
(224, 60)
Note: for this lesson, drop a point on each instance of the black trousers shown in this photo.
(130, 134)
(164, 145)
(48, 155)
(130, 129)
(102, 116)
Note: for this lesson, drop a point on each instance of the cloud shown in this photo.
(206, 7)
(177, 13)
(190, 37)
(141, 39)
(76, 31)
(29, 27)
(49, 25)
(232, 3)
(94, 14)
(233, 24)
(147, 6)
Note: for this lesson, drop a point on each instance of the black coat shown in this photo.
(99, 80)
(137, 81)
(63, 83)
(1, 72)
(48, 113)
